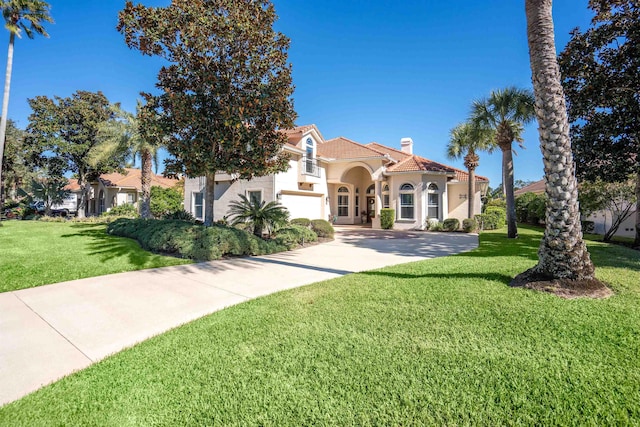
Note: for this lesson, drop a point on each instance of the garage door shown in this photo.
(303, 206)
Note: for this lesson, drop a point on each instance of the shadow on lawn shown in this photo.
(484, 276)
(110, 247)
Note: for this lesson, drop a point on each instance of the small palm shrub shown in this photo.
(305, 222)
(260, 216)
(387, 218)
(127, 211)
(469, 225)
(451, 224)
(322, 228)
(294, 235)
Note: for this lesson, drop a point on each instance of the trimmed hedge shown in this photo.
(127, 210)
(294, 235)
(530, 207)
(500, 212)
(387, 218)
(322, 228)
(305, 222)
(188, 240)
(451, 224)
(469, 225)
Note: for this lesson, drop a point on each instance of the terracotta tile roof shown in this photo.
(132, 179)
(420, 164)
(537, 187)
(392, 152)
(344, 148)
(464, 176)
(72, 185)
(295, 134)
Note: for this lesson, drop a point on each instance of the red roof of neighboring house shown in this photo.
(131, 178)
(537, 187)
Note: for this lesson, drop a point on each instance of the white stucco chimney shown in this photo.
(406, 145)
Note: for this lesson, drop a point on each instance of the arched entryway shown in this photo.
(351, 199)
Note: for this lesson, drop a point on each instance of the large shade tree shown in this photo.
(67, 128)
(133, 133)
(506, 111)
(563, 255)
(465, 141)
(20, 16)
(227, 89)
(601, 77)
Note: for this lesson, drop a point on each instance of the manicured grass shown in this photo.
(442, 342)
(34, 253)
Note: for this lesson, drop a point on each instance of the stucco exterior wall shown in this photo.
(602, 221)
(458, 202)
(305, 199)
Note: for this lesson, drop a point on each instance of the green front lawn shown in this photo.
(34, 253)
(436, 342)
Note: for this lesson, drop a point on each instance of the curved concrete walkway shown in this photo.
(51, 331)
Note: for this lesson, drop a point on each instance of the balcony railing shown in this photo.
(309, 167)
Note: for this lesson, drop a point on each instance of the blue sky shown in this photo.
(376, 70)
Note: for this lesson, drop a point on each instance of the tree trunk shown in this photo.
(145, 202)
(209, 194)
(562, 253)
(507, 167)
(5, 104)
(472, 192)
(84, 192)
(636, 241)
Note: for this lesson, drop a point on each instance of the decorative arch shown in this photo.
(353, 165)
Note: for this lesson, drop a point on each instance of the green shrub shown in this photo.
(127, 211)
(387, 218)
(180, 215)
(530, 207)
(190, 240)
(165, 201)
(295, 235)
(430, 223)
(322, 228)
(500, 203)
(435, 225)
(451, 224)
(305, 222)
(588, 226)
(522, 206)
(469, 225)
(489, 221)
(499, 212)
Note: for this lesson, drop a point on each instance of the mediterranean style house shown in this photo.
(348, 183)
(113, 189)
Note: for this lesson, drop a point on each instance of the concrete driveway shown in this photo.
(51, 331)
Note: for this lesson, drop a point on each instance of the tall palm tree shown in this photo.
(562, 253)
(465, 140)
(126, 132)
(506, 111)
(19, 16)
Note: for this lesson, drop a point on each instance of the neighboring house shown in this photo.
(348, 183)
(602, 220)
(114, 189)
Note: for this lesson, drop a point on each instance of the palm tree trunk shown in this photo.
(145, 203)
(507, 167)
(5, 103)
(636, 241)
(209, 194)
(562, 253)
(471, 200)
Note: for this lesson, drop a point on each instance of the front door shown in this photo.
(371, 207)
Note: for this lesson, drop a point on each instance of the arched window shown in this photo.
(371, 189)
(309, 157)
(407, 206)
(433, 201)
(343, 201)
(385, 196)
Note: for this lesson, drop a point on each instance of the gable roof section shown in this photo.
(464, 176)
(295, 134)
(132, 178)
(344, 148)
(420, 164)
(537, 187)
(395, 154)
